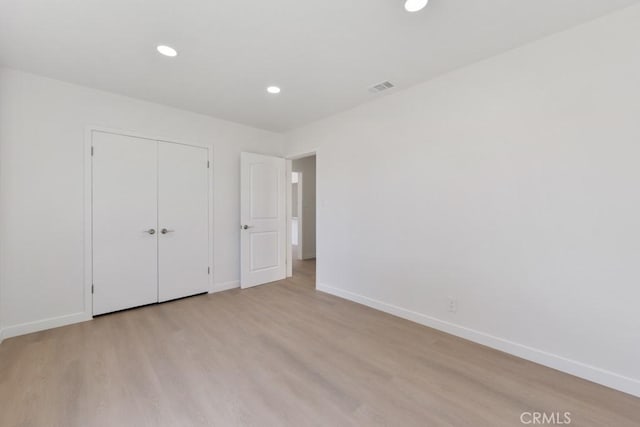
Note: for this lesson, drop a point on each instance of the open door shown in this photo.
(263, 240)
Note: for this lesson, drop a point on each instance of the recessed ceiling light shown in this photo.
(273, 89)
(415, 5)
(167, 50)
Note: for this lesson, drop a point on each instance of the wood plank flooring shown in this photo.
(279, 355)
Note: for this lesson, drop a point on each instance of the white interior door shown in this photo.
(125, 238)
(183, 220)
(263, 219)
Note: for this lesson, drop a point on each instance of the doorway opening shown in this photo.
(303, 218)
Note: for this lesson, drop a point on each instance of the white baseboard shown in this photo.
(578, 369)
(41, 325)
(224, 286)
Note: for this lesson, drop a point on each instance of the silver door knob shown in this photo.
(165, 231)
(151, 231)
(246, 227)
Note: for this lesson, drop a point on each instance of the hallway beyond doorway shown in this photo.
(304, 273)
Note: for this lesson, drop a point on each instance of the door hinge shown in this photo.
(92, 150)
(92, 288)
(208, 270)
(207, 164)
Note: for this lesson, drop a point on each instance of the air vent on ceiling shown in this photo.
(380, 87)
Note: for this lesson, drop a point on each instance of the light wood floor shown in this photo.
(279, 354)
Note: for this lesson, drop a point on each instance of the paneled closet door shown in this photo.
(125, 234)
(183, 218)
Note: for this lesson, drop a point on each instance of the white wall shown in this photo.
(42, 131)
(307, 166)
(511, 185)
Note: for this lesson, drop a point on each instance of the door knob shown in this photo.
(245, 227)
(165, 231)
(150, 231)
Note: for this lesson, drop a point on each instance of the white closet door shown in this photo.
(183, 209)
(262, 215)
(125, 238)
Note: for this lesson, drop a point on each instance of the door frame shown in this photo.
(88, 205)
(289, 168)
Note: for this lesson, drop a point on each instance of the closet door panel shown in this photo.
(125, 238)
(183, 218)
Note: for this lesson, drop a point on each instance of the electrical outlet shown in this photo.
(452, 305)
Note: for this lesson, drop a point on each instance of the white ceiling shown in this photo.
(324, 54)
